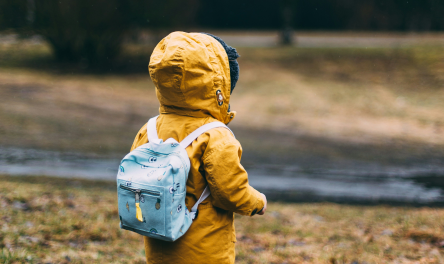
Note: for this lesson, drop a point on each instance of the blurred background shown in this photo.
(338, 101)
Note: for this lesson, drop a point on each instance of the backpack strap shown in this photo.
(152, 130)
(196, 133)
(153, 137)
(204, 196)
(186, 142)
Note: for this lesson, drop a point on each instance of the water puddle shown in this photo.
(417, 186)
(354, 183)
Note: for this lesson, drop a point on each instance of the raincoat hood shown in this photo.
(191, 73)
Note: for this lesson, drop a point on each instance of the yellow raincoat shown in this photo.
(192, 78)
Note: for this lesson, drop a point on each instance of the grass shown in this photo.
(51, 111)
(53, 220)
(323, 102)
(356, 95)
(366, 95)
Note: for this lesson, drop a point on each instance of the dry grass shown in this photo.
(101, 113)
(330, 233)
(365, 95)
(51, 220)
(346, 94)
(353, 95)
(47, 220)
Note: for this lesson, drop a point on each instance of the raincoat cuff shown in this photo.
(259, 204)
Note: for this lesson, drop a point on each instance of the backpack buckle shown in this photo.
(194, 214)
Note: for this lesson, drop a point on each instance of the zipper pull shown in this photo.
(137, 196)
(138, 210)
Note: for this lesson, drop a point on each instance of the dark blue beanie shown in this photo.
(232, 56)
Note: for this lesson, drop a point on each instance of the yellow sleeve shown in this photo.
(227, 178)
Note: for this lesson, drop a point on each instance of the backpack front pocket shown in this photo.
(142, 209)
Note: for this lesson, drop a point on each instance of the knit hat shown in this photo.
(232, 56)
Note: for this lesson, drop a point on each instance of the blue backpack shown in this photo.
(151, 186)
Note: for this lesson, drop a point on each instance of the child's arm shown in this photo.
(227, 178)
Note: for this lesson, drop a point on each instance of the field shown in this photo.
(51, 220)
(376, 96)
(297, 106)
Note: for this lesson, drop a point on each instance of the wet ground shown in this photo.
(312, 179)
(287, 167)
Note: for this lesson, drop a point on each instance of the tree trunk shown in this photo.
(287, 30)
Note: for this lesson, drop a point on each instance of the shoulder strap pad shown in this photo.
(152, 130)
(196, 133)
(153, 137)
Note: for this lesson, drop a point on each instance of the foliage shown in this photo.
(13, 14)
(90, 31)
(83, 29)
(399, 15)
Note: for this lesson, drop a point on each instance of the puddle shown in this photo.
(358, 183)
(15, 161)
(410, 186)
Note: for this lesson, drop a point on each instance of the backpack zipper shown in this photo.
(139, 191)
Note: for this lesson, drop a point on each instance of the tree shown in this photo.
(90, 30)
(13, 14)
(93, 30)
(287, 11)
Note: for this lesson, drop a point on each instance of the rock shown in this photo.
(275, 214)
(20, 206)
(31, 239)
(277, 248)
(387, 232)
(258, 249)
(295, 242)
(435, 252)
(318, 218)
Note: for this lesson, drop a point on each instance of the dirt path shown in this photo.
(333, 39)
(302, 39)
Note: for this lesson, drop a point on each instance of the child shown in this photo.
(194, 75)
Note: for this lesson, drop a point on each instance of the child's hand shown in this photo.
(262, 212)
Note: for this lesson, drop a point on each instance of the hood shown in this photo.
(191, 73)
